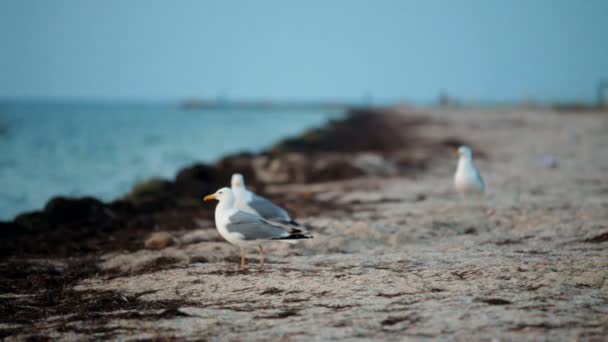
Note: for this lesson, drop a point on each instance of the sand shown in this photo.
(393, 258)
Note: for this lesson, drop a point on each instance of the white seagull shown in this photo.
(467, 178)
(245, 229)
(252, 203)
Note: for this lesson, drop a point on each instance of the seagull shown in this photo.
(467, 178)
(255, 204)
(245, 229)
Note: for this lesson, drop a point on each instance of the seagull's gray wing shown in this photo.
(268, 210)
(253, 227)
(478, 176)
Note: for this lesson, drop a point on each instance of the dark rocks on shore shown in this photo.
(362, 130)
(62, 211)
(150, 195)
(9, 229)
(70, 211)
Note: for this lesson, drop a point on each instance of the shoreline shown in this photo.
(46, 152)
(356, 145)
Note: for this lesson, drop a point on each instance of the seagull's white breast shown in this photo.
(222, 218)
(466, 178)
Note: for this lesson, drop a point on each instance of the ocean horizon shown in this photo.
(102, 149)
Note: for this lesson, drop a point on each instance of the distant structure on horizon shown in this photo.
(445, 100)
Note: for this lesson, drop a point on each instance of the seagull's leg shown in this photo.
(242, 260)
(263, 265)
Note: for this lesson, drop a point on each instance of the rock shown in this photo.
(200, 179)
(200, 235)
(382, 131)
(150, 195)
(158, 240)
(66, 212)
(9, 229)
(197, 173)
(299, 168)
(33, 221)
(70, 211)
(288, 168)
(239, 163)
(195, 181)
(374, 164)
(333, 167)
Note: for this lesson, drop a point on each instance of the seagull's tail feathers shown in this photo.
(294, 237)
(293, 233)
(293, 223)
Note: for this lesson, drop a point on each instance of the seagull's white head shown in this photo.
(223, 195)
(237, 180)
(465, 151)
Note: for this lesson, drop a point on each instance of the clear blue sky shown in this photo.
(477, 50)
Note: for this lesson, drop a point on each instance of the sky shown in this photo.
(474, 50)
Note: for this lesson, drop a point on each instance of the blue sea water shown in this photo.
(102, 150)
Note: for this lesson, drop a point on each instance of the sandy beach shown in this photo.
(396, 253)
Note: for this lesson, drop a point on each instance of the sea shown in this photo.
(102, 150)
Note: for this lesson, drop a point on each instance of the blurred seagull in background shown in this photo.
(252, 203)
(245, 229)
(467, 178)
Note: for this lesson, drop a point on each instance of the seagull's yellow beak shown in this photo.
(209, 198)
(457, 153)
